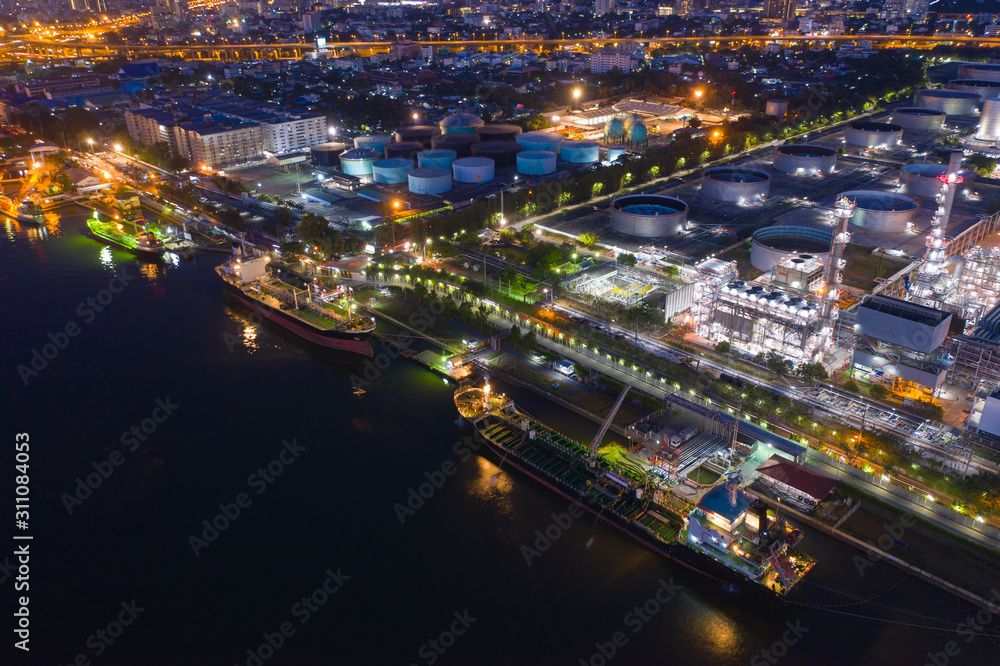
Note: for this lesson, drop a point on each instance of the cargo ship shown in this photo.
(296, 310)
(728, 535)
(142, 244)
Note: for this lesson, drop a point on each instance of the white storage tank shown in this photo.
(952, 102)
(918, 118)
(473, 170)
(734, 184)
(981, 71)
(358, 161)
(983, 88)
(776, 107)
(804, 158)
(882, 212)
(648, 215)
(440, 158)
(536, 162)
(391, 171)
(375, 142)
(615, 152)
(429, 181)
(927, 180)
(580, 152)
(989, 122)
(867, 134)
(549, 141)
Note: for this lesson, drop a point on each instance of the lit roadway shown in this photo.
(42, 47)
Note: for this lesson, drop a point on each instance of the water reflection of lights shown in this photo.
(172, 259)
(250, 338)
(718, 633)
(107, 259)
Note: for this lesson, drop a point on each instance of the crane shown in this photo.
(607, 424)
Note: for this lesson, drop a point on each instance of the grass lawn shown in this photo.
(863, 266)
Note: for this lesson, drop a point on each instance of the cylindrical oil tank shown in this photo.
(460, 123)
(420, 133)
(918, 118)
(983, 88)
(326, 154)
(503, 153)
(776, 107)
(882, 212)
(926, 180)
(952, 102)
(473, 169)
(804, 158)
(981, 71)
(614, 152)
(648, 215)
(989, 122)
(867, 134)
(405, 149)
(440, 159)
(536, 162)
(391, 171)
(375, 142)
(429, 181)
(358, 161)
(735, 184)
(460, 143)
(580, 152)
(498, 132)
(549, 141)
(770, 245)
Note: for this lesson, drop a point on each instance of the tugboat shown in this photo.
(142, 244)
(298, 311)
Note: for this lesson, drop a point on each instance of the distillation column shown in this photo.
(931, 287)
(829, 309)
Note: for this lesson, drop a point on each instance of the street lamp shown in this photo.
(415, 116)
(118, 147)
(91, 142)
(332, 131)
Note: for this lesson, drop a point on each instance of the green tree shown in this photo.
(814, 371)
(530, 340)
(723, 347)
(878, 391)
(852, 386)
(290, 251)
(778, 364)
(283, 216)
(588, 239)
(626, 259)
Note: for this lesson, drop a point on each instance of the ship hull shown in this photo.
(139, 252)
(356, 343)
(677, 552)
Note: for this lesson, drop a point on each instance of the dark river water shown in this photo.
(245, 506)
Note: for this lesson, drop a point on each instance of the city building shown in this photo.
(602, 7)
(605, 60)
(216, 144)
(779, 10)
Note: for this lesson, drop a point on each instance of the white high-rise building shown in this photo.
(603, 6)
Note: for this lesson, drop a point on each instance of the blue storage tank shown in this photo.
(460, 123)
(579, 152)
(439, 158)
(549, 141)
(429, 181)
(474, 170)
(536, 162)
(375, 142)
(358, 161)
(392, 171)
